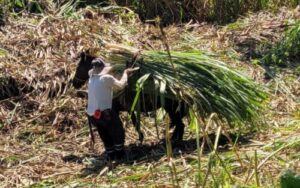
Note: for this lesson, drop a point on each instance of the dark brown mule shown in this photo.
(124, 101)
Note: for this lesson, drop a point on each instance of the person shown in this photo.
(99, 109)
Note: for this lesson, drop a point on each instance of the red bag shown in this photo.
(97, 114)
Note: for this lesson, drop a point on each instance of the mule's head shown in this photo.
(83, 67)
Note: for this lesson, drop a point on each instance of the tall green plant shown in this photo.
(287, 50)
(33, 6)
(222, 11)
(68, 8)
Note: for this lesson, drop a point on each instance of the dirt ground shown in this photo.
(44, 137)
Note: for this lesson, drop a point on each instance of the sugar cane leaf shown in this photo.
(139, 85)
(3, 52)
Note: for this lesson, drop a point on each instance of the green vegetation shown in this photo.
(43, 184)
(287, 51)
(202, 81)
(33, 6)
(170, 11)
(289, 179)
(214, 10)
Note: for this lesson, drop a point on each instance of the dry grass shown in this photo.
(44, 138)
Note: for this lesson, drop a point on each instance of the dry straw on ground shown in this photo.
(44, 137)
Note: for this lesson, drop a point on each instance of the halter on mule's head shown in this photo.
(83, 67)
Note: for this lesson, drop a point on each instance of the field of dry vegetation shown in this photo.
(44, 137)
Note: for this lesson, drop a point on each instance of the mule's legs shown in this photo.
(176, 120)
(117, 107)
(178, 131)
(176, 116)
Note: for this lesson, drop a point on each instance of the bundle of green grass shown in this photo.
(198, 79)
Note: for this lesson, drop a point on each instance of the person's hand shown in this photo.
(130, 71)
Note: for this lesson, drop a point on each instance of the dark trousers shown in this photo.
(111, 132)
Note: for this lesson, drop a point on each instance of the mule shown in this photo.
(175, 109)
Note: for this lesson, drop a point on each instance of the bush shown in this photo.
(33, 6)
(286, 51)
(222, 11)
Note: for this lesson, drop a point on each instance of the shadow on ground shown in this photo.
(146, 153)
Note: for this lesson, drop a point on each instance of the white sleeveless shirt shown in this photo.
(100, 91)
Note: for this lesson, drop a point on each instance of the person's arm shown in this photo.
(120, 84)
